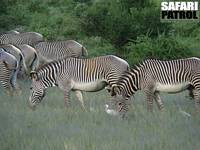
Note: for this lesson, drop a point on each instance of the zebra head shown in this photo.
(119, 103)
(37, 90)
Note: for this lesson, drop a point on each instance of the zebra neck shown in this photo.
(48, 84)
(130, 83)
(48, 78)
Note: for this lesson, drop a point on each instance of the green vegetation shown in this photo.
(51, 126)
(127, 28)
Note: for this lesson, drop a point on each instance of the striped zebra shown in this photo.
(18, 55)
(154, 76)
(30, 38)
(50, 51)
(8, 67)
(74, 74)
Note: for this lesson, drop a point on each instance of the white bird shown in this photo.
(184, 113)
(110, 111)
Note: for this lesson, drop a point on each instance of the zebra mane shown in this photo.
(156, 59)
(39, 70)
(47, 64)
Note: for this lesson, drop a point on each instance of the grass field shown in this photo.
(53, 127)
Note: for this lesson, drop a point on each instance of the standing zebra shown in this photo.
(50, 51)
(30, 38)
(18, 55)
(73, 74)
(8, 67)
(15, 52)
(154, 76)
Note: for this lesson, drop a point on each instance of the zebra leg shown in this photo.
(158, 101)
(190, 92)
(149, 99)
(197, 99)
(80, 99)
(5, 74)
(13, 82)
(196, 91)
(67, 98)
(66, 86)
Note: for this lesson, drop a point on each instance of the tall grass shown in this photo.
(51, 126)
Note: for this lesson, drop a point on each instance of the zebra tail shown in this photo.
(84, 51)
(24, 63)
(35, 62)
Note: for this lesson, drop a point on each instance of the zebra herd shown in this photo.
(63, 64)
(29, 50)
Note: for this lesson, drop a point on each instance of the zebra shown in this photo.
(17, 53)
(30, 38)
(50, 51)
(154, 76)
(8, 67)
(75, 74)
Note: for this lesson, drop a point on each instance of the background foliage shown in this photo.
(127, 28)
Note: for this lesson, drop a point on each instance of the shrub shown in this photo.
(163, 48)
(118, 21)
(98, 46)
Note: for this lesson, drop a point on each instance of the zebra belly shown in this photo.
(172, 88)
(90, 86)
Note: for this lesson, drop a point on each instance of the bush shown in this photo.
(118, 21)
(163, 48)
(97, 46)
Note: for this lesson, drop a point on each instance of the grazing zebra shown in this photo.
(73, 74)
(30, 38)
(8, 67)
(154, 76)
(49, 51)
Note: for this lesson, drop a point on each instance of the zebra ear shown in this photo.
(33, 75)
(113, 91)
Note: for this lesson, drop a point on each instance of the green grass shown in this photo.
(53, 127)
